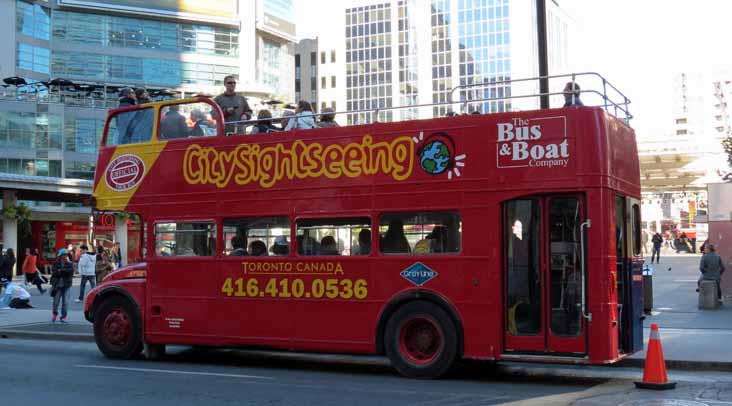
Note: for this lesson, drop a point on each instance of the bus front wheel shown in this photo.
(118, 329)
(421, 340)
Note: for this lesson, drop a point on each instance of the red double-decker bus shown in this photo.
(507, 236)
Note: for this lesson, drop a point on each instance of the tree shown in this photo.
(727, 145)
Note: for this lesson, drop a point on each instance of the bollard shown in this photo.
(708, 295)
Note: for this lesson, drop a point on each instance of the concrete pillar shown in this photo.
(10, 226)
(120, 236)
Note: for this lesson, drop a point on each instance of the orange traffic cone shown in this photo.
(654, 373)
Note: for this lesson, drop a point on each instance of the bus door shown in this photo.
(544, 274)
(629, 274)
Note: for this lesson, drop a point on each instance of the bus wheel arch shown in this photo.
(118, 326)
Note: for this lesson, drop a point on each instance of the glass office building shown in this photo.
(67, 59)
(401, 53)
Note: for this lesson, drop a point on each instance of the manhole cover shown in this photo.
(662, 402)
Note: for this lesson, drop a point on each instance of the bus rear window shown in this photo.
(420, 233)
(130, 127)
(185, 239)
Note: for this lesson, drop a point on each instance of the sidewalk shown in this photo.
(692, 339)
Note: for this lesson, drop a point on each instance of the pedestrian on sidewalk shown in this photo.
(15, 297)
(8, 262)
(712, 268)
(657, 241)
(62, 277)
(87, 269)
(30, 269)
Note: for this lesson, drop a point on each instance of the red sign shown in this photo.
(533, 143)
(124, 172)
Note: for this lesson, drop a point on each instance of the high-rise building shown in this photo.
(401, 53)
(65, 61)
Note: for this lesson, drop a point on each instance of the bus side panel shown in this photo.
(636, 328)
(601, 286)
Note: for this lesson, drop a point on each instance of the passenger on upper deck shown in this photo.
(394, 241)
(201, 126)
(127, 97)
(173, 124)
(287, 115)
(264, 126)
(233, 105)
(304, 118)
(281, 246)
(572, 95)
(142, 96)
(328, 118)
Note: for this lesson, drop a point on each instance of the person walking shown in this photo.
(657, 241)
(30, 269)
(712, 268)
(87, 269)
(61, 280)
(102, 265)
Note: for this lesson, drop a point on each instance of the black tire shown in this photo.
(421, 340)
(118, 328)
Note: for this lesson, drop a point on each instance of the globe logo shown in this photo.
(435, 157)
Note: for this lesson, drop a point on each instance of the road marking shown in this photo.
(169, 371)
(686, 280)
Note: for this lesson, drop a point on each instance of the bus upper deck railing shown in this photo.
(600, 93)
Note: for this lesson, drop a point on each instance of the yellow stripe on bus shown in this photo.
(110, 198)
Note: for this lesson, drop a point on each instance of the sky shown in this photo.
(638, 45)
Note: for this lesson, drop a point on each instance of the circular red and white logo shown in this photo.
(124, 172)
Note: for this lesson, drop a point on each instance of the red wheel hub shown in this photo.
(117, 328)
(420, 339)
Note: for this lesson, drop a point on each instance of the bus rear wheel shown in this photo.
(118, 329)
(421, 340)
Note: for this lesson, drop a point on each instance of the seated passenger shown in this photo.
(173, 125)
(364, 242)
(394, 241)
(438, 239)
(239, 246)
(201, 126)
(287, 115)
(281, 246)
(264, 126)
(328, 118)
(328, 246)
(257, 248)
(304, 118)
(306, 245)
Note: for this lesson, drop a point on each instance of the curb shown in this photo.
(681, 365)
(12, 334)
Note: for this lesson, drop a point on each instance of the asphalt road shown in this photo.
(73, 373)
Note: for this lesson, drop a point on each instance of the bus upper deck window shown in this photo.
(131, 127)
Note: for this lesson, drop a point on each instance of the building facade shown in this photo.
(403, 53)
(676, 168)
(65, 61)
